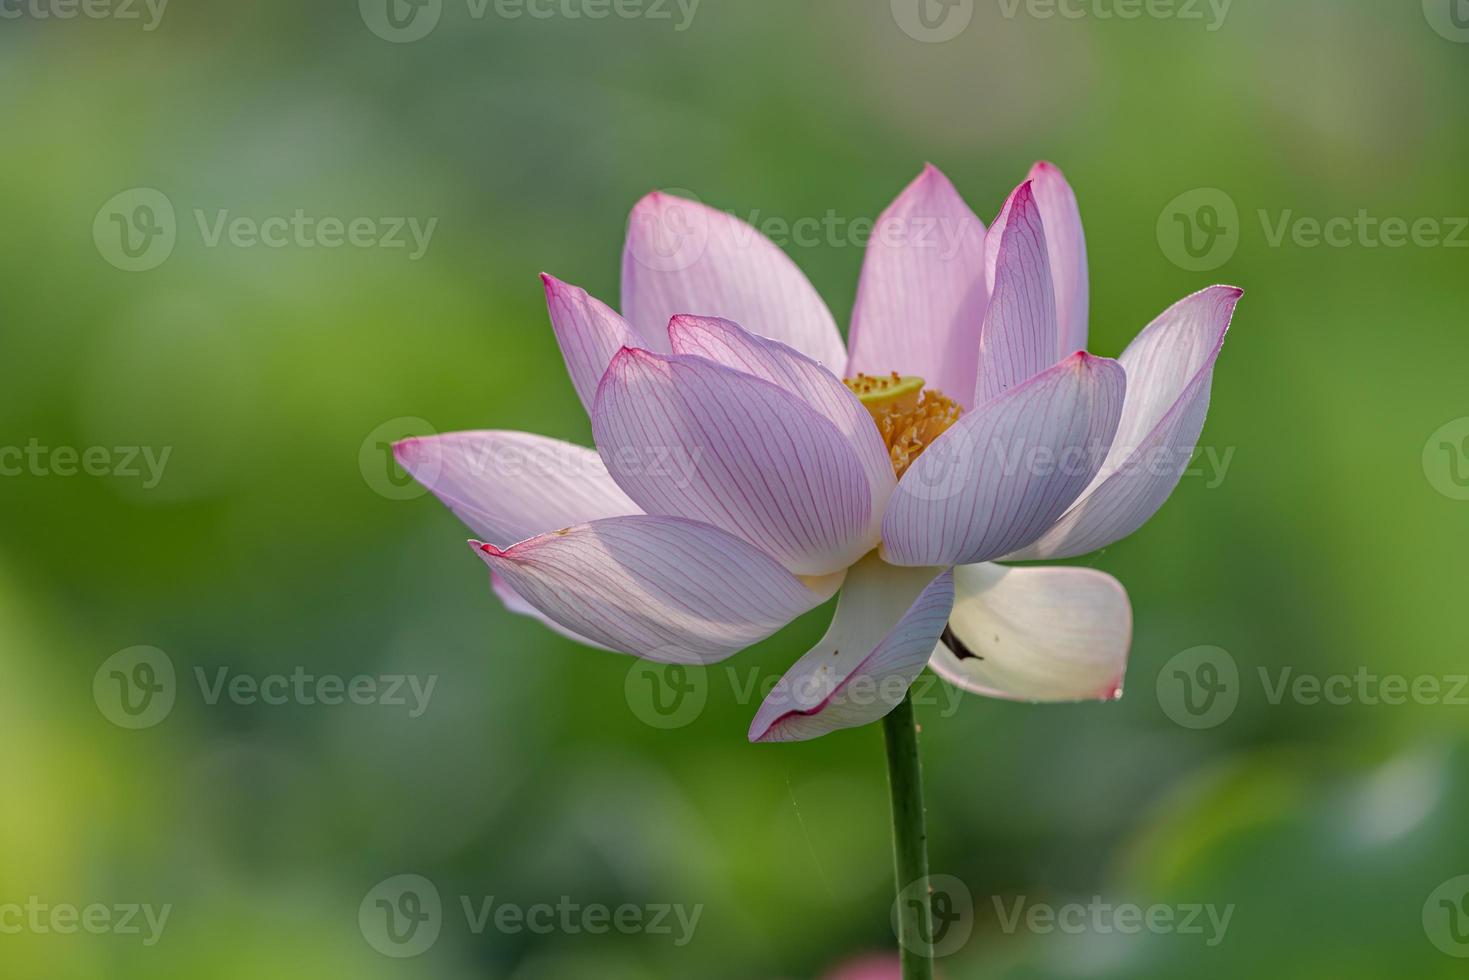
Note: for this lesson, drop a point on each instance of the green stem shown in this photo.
(910, 842)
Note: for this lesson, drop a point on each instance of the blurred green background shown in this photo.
(274, 538)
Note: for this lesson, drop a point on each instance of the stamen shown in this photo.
(909, 418)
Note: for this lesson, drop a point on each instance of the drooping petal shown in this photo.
(668, 589)
(1066, 246)
(886, 624)
(687, 437)
(921, 300)
(1170, 367)
(589, 333)
(1020, 337)
(1037, 633)
(514, 602)
(509, 486)
(684, 257)
(1004, 472)
(727, 343)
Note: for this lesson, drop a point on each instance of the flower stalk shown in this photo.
(910, 842)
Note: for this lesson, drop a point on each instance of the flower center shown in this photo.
(908, 417)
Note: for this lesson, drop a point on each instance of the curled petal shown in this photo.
(589, 334)
(1170, 367)
(1066, 247)
(509, 486)
(727, 343)
(886, 624)
(684, 257)
(663, 588)
(1036, 633)
(1020, 337)
(1002, 474)
(687, 437)
(921, 300)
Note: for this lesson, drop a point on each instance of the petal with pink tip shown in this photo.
(685, 257)
(727, 343)
(1170, 367)
(509, 486)
(1066, 247)
(687, 437)
(1002, 474)
(1020, 338)
(589, 334)
(921, 300)
(886, 624)
(1036, 633)
(664, 588)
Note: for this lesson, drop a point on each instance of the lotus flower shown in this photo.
(739, 481)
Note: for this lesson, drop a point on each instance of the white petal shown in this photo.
(886, 623)
(1037, 633)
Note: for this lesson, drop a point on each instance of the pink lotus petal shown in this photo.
(514, 602)
(663, 588)
(509, 486)
(1020, 338)
(727, 343)
(886, 624)
(687, 437)
(1037, 633)
(1170, 366)
(1005, 471)
(1066, 247)
(922, 297)
(589, 333)
(684, 257)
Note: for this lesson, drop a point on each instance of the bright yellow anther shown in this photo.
(908, 417)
